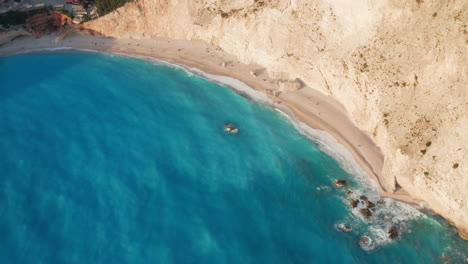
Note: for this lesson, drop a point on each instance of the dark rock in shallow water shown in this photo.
(366, 212)
(353, 203)
(393, 232)
(346, 228)
(231, 129)
(348, 192)
(370, 204)
(381, 201)
(363, 197)
(340, 183)
(365, 240)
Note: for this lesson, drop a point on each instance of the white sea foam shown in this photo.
(453, 255)
(328, 144)
(234, 84)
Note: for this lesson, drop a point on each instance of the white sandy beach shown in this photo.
(307, 105)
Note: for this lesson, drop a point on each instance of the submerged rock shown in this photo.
(363, 197)
(366, 212)
(348, 192)
(370, 204)
(353, 203)
(393, 232)
(365, 241)
(340, 183)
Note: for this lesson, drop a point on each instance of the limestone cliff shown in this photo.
(399, 67)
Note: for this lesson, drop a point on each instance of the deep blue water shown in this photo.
(106, 159)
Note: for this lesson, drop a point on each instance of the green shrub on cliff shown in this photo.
(106, 6)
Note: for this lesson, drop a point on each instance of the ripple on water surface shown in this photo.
(116, 160)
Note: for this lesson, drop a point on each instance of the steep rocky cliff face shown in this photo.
(42, 24)
(399, 67)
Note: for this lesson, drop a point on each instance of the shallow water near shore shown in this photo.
(106, 159)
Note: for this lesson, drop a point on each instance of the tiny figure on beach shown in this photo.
(231, 129)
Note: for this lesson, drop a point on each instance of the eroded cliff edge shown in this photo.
(398, 67)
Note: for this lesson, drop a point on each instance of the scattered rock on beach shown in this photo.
(370, 204)
(393, 232)
(366, 212)
(340, 183)
(353, 203)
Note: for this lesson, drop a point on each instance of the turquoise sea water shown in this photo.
(106, 159)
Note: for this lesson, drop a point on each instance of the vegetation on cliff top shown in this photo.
(15, 18)
(106, 6)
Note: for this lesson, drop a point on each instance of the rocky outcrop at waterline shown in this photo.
(366, 212)
(370, 204)
(393, 232)
(353, 203)
(340, 183)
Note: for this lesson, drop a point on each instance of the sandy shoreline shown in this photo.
(307, 105)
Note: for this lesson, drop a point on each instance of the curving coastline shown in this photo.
(187, 56)
(306, 106)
